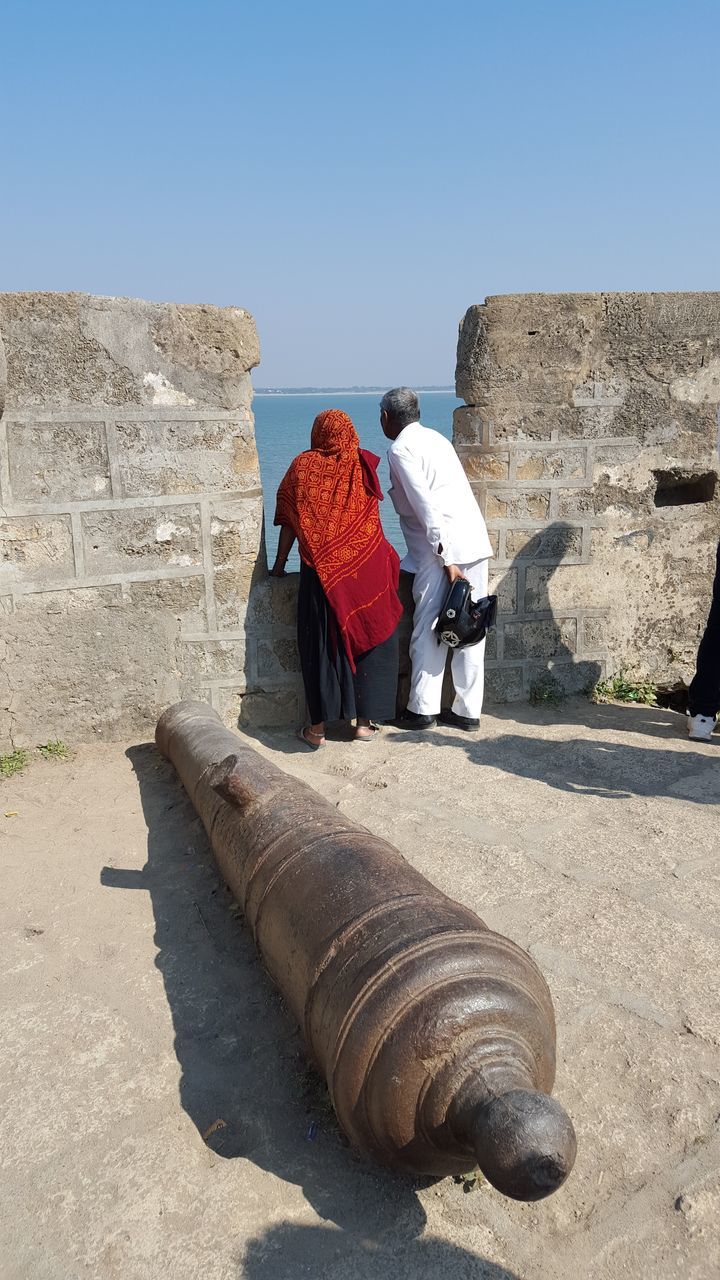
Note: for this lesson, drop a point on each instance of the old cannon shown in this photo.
(435, 1035)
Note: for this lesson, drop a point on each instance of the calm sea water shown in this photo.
(282, 430)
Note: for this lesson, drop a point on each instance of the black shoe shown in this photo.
(412, 720)
(459, 722)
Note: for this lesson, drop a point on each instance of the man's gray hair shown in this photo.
(401, 406)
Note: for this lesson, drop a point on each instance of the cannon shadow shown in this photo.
(245, 1083)
(288, 1251)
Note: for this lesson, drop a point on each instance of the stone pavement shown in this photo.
(138, 1018)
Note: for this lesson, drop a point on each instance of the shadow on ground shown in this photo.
(593, 766)
(288, 1252)
(245, 1083)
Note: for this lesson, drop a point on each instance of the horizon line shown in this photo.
(356, 390)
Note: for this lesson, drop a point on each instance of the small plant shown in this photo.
(624, 688)
(13, 763)
(545, 691)
(54, 750)
(469, 1181)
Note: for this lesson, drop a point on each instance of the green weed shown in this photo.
(625, 688)
(54, 750)
(13, 763)
(17, 760)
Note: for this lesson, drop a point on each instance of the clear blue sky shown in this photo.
(357, 175)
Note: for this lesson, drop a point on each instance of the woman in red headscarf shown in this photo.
(348, 606)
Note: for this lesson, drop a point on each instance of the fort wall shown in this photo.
(132, 565)
(590, 436)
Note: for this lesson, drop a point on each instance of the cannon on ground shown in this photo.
(436, 1036)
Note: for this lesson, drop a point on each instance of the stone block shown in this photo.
(260, 709)
(213, 659)
(621, 453)
(274, 601)
(180, 598)
(35, 549)
(75, 600)
(565, 588)
(486, 466)
(550, 464)
(511, 419)
(556, 542)
(277, 657)
(235, 530)
(504, 584)
(469, 425)
(671, 317)
(90, 672)
(235, 539)
(504, 684)
(618, 498)
(549, 638)
(531, 504)
(131, 539)
(58, 461)
(576, 504)
(546, 334)
(594, 633)
(71, 348)
(157, 458)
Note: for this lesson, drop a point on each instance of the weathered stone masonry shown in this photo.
(131, 520)
(132, 564)
(590, 437)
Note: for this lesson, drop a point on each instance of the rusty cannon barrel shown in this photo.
(435, 1035)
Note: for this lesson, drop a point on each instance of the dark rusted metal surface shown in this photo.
(436, 1036)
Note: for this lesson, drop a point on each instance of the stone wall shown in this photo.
(132, 567)
(590, 437)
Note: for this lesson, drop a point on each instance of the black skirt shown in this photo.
(332, 691)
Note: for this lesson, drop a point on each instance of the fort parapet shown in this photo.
(590, 437)
(132, 561)
(131, 520)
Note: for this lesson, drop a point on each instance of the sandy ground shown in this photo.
(158, 1120)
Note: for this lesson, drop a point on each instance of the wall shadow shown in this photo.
(245, 1083)
(539, 645)
(594, 766)
(540, 639)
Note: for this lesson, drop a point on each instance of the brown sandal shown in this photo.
(370, 731)
(301, 735)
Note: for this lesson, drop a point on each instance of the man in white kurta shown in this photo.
(446, 539)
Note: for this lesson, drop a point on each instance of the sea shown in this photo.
(282, 430)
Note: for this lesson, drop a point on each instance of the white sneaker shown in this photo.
(700, 728)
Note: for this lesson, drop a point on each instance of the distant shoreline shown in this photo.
(351, 391)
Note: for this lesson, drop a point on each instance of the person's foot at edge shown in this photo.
(700, 728)
(413, 720)
(448, 716)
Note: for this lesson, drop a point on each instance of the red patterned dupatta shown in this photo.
(329, 498)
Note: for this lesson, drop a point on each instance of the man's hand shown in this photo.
(453, 573)
(278, 571)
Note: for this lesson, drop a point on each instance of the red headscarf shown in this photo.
(329, 498)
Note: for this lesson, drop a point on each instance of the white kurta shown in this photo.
(442, 524)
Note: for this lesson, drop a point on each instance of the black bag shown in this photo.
(464, 621)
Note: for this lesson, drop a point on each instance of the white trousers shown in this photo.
(428, 658)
